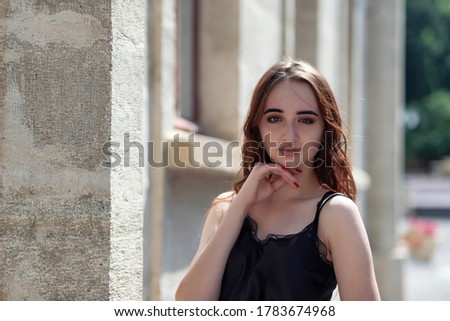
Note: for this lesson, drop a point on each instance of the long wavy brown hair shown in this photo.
(332, 165)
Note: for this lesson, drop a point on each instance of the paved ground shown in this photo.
(430, 280)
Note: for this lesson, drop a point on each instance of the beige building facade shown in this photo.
(121, 122)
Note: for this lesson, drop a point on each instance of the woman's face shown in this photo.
(292, 126)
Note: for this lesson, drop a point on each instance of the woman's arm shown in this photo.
(220, 230)
(349, 247)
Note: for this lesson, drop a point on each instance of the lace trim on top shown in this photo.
(308, 230)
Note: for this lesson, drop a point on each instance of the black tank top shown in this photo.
(288, 267)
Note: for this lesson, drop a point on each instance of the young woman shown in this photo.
(290, 229)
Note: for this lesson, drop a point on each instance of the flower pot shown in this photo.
(425, 250)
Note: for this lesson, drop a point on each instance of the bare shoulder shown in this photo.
(342, 229)
(214, 216)
(339, 204)
(218, 208)
(224, 198)
(221, 203)
(340, 213)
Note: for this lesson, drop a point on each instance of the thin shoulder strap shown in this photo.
(328, 196)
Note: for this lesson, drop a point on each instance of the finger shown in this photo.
(285, 178)
(296, 171)
(283, 173)
(267, 171)
(293, 170)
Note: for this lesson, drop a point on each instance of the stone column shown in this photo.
(71, 79)
(128, 46)
(384, 99)
(288, 22)
(162, 90)
(357, 121)
(306, 30)
(3, 11)
(333, 49)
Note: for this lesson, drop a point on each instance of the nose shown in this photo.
(290, 133)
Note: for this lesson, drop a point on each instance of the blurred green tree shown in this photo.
(427, 82)
(428, 129)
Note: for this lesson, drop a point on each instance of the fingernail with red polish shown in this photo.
(298, 170)
(296, 185)
(284, 168)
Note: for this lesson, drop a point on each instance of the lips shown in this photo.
(289, 151)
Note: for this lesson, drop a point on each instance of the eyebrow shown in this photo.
(304, 112)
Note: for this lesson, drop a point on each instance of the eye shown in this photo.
(307, 121)
(273, 119)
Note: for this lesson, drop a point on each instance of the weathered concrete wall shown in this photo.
(127, 106)
(2, 103)
(59, 217)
